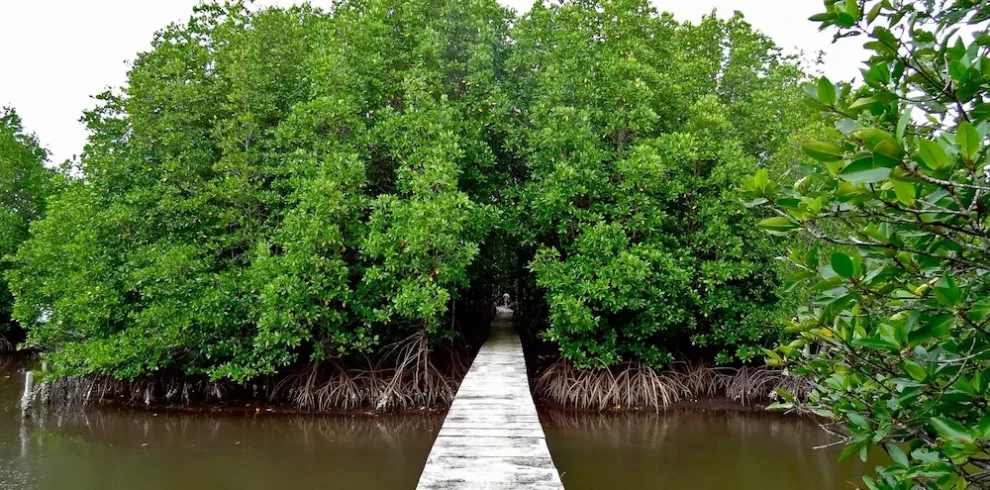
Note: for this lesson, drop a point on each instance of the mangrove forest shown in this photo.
(303, 210)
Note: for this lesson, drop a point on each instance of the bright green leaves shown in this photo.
(981, 112)
(915, 370)
(779, 224)
(932, 155)
(758, 186)
(635, 151)
(862, 103)
(823, 152)
(968, 140)
(826, 91)
(896, 336)
(846, 14)
(864, 171)
(888, 153)
(905, 191)
(947, 291)
(960, 441)
(25, 185)
(276, 187)
(843, 265)
(871, 137)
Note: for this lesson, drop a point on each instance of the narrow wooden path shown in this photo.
(492, 438)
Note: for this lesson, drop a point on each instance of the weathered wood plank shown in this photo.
(492, 438)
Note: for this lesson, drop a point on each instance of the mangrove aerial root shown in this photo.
(409, 374)
(637, 386)
(6, 347)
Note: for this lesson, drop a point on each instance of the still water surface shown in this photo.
(130, 450)
(111, 449)
(696, 451)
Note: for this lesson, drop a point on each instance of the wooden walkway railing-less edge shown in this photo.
(492, 438)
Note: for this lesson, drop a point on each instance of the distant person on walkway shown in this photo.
(505, 300)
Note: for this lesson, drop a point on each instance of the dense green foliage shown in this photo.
(271, 187)
(634, 129)
(897, 342)
(276, 187)
(25, 184)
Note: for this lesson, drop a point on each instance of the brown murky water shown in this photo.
(125, 450)
(695, 451)
(130, 450)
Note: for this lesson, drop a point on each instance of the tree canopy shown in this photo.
(25, 183)
(271, 186)
(634, 130)
(281, 186)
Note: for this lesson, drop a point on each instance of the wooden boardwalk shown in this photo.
(492, 438)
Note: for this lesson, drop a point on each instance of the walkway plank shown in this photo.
(492, 438)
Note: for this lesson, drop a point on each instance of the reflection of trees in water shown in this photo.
(10, 364)
(124, 426)
(67, 424)
(618, 430)
(792, 440)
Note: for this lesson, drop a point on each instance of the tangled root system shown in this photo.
(408, 375)
(638, 386)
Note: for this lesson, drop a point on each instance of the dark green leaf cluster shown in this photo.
(897, 340)
(25, 184)
(272, 187)
(635, 129)
(282, 186)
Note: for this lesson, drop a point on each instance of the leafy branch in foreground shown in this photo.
(898, 340)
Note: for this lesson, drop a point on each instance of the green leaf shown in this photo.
(902, 125)
(932, 154)
(852, 8)
(858, 420)
(905, 192)
(824, 152)
(862, 103)
(947, 292)
(874, 12)
(844, 19)
(785, 395)
(864, 171)
(871, 137)
(794, 279)
(842, 264)
(778, 224)
(915, 370)
(897, 455)
(969, 140)
(985, 426)
(941, 325)
(981, 112)
(888, 153)
(950, 429)
(850, 450)
(826, 91)
(979, 310)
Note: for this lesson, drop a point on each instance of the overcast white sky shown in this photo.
(58, 53)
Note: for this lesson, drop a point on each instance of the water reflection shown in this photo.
(120, 449)
(695, 450)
